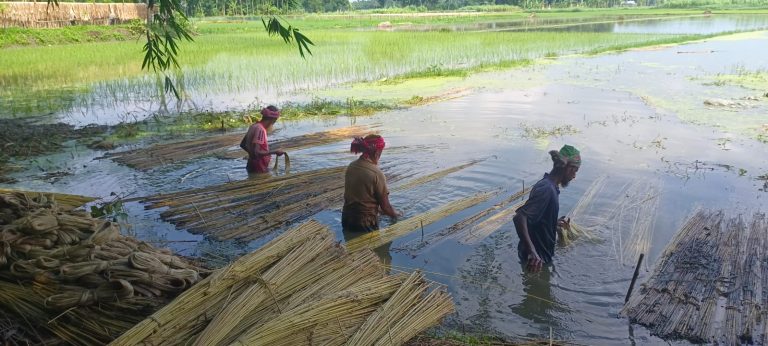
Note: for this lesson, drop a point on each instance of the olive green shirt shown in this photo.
(364, 188)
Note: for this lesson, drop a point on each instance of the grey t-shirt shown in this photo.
(541, 209)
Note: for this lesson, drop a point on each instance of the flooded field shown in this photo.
(226, 70)
(647, 116)
(688, 24)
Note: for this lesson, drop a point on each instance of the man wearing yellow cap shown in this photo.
(537, 220)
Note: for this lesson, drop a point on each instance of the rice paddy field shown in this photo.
(232, 64)
(669, 115)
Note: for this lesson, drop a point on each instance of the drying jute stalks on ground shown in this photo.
(299, 289)
(252, 208)
(710, 284)
(67, 277)
(225, 146)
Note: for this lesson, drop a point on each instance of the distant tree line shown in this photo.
(200, 8)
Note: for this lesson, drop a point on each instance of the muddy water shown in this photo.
(619, 133)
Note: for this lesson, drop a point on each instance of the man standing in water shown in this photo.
(255, 142)
(537, 220)
(365, 188)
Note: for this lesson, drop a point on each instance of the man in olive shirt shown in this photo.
(365, 187)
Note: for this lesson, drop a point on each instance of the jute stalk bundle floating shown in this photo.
(490, 225)
(299, 289)
(372, 240)
(80, 272)
(705, 288)
(225, 146)
(461, 228)
(433, 176)
(250, 209)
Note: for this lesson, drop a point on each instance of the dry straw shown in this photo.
(44, 15)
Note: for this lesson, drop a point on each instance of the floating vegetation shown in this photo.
(535, 132)
(225, 146)
(375, 239)
(448, 95)
(323, 107)
(299, 289)
(252, 208)
(70, 278)
(705, 289)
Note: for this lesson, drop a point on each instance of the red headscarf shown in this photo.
(368, 146)
(270, 113)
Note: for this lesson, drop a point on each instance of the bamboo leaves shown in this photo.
(275, 28)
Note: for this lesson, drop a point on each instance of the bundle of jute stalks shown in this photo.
(75, 278)
(301, 288)
(710, 284)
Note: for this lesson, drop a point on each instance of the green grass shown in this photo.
(240, 57)
(10, 37)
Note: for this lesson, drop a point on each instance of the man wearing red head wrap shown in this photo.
(365, 187)
(255, 142)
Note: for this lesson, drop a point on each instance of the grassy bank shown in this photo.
(15, 37)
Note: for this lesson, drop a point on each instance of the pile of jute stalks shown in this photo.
(301, 288)
(67, 277)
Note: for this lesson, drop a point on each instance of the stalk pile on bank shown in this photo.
(250, 209)
(299, 289)
(706, 288)
(67, 276)
(225, 146)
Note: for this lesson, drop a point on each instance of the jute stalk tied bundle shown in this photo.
(704, 287)
(299, 289)
(70, 261)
